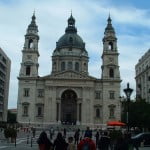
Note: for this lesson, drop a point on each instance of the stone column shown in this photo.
(78, 107)
(79, 102)
(59, 112)
(80, 110)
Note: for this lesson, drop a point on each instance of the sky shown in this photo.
(130, 18)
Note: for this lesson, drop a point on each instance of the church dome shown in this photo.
(70, 38)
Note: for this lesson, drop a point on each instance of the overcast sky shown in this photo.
(130, 18)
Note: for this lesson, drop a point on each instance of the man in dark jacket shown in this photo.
(88, 133)
(104, 142)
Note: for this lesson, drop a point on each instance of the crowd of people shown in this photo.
(104, 141)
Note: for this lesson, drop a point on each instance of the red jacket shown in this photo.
(90, 141)
(42, 147)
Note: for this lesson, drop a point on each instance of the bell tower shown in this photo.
(110, 75)
(30, 54)
(110, 67)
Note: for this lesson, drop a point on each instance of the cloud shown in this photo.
(131, 25)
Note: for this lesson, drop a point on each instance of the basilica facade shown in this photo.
(69, 95)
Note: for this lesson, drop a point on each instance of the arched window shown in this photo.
(97, 113)
(110, 46)
(28, 70)
(71, 40)
(25, 110)
(111, 73)
(54, 66)
(85, 67)
(76, 66)
(111, 112)
(30, 43)
(62, 66)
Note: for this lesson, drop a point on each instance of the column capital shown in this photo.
(58, 99)
(79, 100)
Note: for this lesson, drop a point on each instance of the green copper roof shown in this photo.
(70, 38)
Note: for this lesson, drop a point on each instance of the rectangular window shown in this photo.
(97, 112)
(40, 111)
(1, 114)
(26, 92)
(4, 60)
(28, 70)
(112, 95)
(139, 86)
(97, 94)
(2, 67)
(40, 92)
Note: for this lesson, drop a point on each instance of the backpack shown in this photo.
(86, 146)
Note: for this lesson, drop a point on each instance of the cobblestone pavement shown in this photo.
(23, 141)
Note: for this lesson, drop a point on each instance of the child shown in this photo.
(71, 146)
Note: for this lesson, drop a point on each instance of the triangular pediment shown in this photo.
(70, 75)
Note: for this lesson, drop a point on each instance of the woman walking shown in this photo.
(60, 143)
(43, 142)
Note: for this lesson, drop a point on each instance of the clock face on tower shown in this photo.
(29, 56)
(111, 60)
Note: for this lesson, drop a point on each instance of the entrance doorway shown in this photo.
(69, 107)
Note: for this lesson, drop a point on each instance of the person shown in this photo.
(65, 132)
(60, 143)
(51, 132)
(71, 145)
(33, 132)
(121, 143)
(97, 138)
(130, 143)
(104, 142)
(88, 133)
(87, 143)
(76, 136)
(43, 142)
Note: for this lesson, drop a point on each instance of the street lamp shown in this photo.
(128, 91)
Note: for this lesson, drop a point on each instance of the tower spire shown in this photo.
(32, 26)
(109, 28)
(109, 19)
(71, 12)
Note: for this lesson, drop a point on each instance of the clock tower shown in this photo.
(110, 74)
(29, 65)
(110, 67)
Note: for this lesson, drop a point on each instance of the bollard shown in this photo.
(15, 141)
(31, 141)
(27, 139)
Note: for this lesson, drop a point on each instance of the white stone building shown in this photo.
(69, 95)
(142, 78)
(5, 65)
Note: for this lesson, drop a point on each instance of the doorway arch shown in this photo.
(69, 107)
